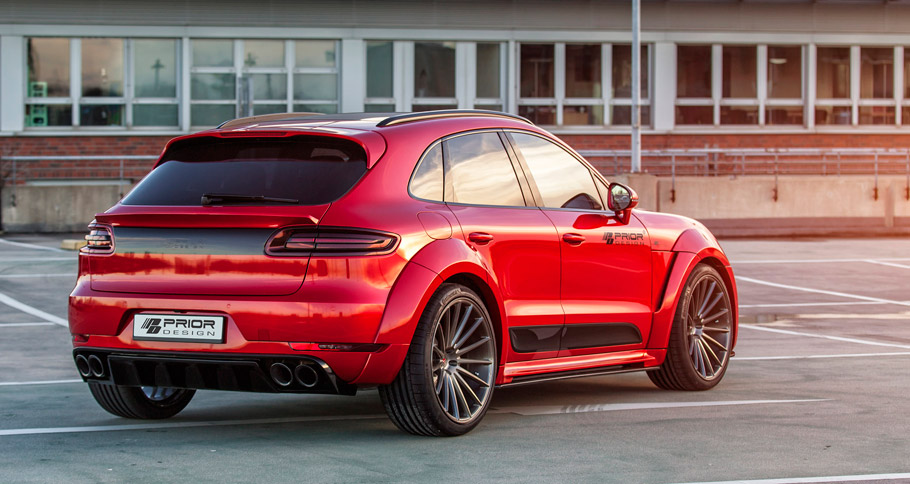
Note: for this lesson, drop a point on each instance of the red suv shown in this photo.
(437, 255)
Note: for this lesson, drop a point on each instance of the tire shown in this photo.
(445, 385)
(141, 402)
(698, 351)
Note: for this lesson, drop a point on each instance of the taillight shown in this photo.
(99, 240)
(330, 241)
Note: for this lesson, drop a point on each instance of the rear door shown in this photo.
(516, 240)
(605, 286)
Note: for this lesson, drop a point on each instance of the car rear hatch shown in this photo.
(212, 217)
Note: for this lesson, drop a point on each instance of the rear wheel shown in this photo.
(699, 348)
(446, 383)
(141, 402)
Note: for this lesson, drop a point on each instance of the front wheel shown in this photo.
(699, 348)
(446, 383)
(141, 402)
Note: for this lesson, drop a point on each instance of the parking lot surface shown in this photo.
(816, 393)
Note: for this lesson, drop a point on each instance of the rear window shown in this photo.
(264, 171)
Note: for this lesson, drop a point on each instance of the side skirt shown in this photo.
(578, 366)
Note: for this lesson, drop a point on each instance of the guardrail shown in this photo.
(774, 162)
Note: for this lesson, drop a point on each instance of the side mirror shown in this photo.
(621, 201)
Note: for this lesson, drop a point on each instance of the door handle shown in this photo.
(480, 237)
(573, 239)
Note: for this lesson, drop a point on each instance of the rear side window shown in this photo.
(293, 171)
(562, 180)
(478, 171)
(427, 180)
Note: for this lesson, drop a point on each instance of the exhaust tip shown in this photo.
(96, 366)
(306, 375)
(83, 366)
(281, 374)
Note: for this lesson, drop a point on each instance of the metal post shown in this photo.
(636, 86)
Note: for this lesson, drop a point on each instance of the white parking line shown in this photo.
(35, 276)
(612, 407)
(816, 261)
(808, 480)
(824, 336)
(36, 259)
(43, 323)
(889, 264)
(25, 308)
(31, 246)
(811, 357)
(39, 382)
(797, 305)
(821, 291)
(183, 425)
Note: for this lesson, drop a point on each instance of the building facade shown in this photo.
(122, 77)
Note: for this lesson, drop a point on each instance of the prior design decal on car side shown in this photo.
(624, 238)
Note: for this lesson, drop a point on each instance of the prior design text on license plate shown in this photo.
(190, 328)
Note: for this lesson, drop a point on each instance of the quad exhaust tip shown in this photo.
(83, 366)
(95, 366)
(281, 374)
(306, 375)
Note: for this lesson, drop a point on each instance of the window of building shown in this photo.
(876, 86)
(316, 76)
(379, 77)
(105, 90)
(434, 76)
(694, 86)
(739, 85)
(833, 104)
(488, 68)
(784, 105)
(580, 84)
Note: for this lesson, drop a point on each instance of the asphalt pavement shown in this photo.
(816, 393)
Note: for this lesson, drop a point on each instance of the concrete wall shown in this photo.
(55, 208)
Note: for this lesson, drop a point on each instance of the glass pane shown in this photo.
(155, 115)
(102, 67)
(739, 76)
(562, 180)
(544, 115)
(101, 115)
(211, 114)
(434, 69)
(323, 87)
(582, 115)
(905, 115)
(213, 53)
(488, 70)
(693, 71)
(583, 70)
(379, 108)
(431, 107)
(785, 72)
(318, 108)
(694, 115)
(37, 115)
(49, 68)
(739, 115)
(622, 115)
(263, 53)
(379, 69)
(269, 109)
(155, 67)
(213, 86)
(481, 172)
(314, 53)
(906, 77)
(876, 115)
(269, 86)
(789, 115)
(833, 73)
(833, 115)
(876, 76)
(489, 107)
(426, 183)
(622, 71)
(537, 70)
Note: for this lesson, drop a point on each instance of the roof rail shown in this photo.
(447, 113)
(233, 123)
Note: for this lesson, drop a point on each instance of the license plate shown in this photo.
(188, 328)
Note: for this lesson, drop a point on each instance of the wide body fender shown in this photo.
(437, 262)
(691, 249)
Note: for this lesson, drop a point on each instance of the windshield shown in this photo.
(263, 171)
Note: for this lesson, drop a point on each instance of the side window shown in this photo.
(426, 183)
(478, 171)
(562, 180)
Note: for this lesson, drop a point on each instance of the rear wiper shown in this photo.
(223, 198)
